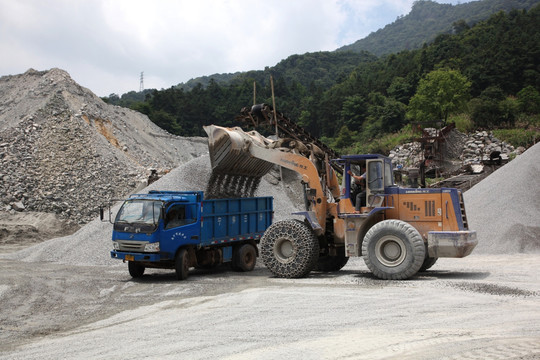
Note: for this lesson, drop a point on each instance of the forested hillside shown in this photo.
(486, 76)
(323, 69)
(428, 19)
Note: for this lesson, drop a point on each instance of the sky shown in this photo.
(105, 45)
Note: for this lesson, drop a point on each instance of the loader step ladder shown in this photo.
(463, 214)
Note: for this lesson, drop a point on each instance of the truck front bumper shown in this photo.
(132, 256)
(454, 244)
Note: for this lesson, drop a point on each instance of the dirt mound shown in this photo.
(504, 208)
(32, 227)
(63, 150)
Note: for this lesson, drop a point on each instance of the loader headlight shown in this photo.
(151, 247)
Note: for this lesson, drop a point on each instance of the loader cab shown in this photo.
(378, 176)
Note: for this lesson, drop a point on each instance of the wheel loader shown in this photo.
(398, 231)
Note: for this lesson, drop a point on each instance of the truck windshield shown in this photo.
(139, 212)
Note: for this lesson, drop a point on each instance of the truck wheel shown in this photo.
(328, 263)
(135, 270)
(181, 264)
(393, 250)
(289, 249)
(244, 258)
(428, 263)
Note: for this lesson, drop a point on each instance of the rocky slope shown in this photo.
(64, 151)
(459, 150)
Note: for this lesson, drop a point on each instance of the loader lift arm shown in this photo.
(234, 152)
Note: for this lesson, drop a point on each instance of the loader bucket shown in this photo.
(234, 171)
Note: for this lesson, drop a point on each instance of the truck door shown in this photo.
(180, 226)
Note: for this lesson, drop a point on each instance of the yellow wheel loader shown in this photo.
(398, 231)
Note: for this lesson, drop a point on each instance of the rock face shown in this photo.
(460, 150)
(64, 151)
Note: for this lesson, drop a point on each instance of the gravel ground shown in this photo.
(480, 307)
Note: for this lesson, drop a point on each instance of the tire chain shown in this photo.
(305, 247)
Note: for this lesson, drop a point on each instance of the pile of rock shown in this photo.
(64, 151)
(481, 145)
(458, 147)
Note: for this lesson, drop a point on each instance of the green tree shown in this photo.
(344, 139)
(439, 93)
(353, 111)
(529, 100)
(485, 109)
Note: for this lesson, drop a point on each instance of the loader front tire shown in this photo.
(289, 249)
(393, 250)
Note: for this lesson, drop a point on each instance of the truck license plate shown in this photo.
(130, 258)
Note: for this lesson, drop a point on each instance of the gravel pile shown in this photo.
(504, 208)
(63, 150)
(92, 243)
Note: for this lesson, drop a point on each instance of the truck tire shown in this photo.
(328, 263)
(289, 249)
(244, 258)
(428, 263)
(393, 250)
(181, 264)
(135, 270)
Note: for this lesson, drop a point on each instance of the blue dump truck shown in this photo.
(179, 230)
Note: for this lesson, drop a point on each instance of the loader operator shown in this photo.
(358, 195)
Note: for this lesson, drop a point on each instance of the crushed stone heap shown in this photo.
(64, 151)
(504, 208)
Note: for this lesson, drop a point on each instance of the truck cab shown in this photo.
(149, 225)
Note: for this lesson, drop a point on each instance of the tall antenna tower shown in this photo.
(141, 86)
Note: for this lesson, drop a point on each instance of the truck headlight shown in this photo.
(151, 247)
(115, 245)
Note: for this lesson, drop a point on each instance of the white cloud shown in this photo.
(105, 44)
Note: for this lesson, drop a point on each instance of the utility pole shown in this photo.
(141, 86)
(275, 120)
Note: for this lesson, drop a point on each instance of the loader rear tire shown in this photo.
(181, 264)
(135, 270)
(289, 249)
(393, 250)
(244, 258)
